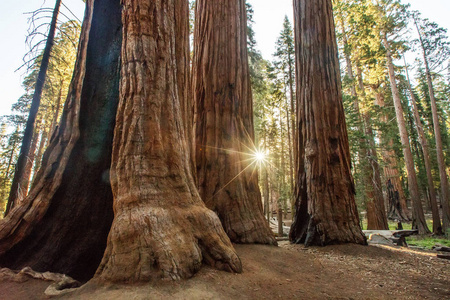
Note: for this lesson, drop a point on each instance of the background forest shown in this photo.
(390, 56)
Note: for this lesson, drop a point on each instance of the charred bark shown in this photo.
(325, 205)
(62, 225)
(161, 228)
(227, 179)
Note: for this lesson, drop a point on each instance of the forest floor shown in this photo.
(286, 272)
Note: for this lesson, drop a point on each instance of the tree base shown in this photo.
(160, 243)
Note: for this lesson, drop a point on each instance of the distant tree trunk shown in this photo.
(291, 160)
(56, 111)
(397, 210)
(445, 197)
(227, 181)
(26, 178)
(10, 160)
(325, 203)
(282, 169)
(437, 229)
(38, 156)
(21, 167)
(172, 231)
(376, 212)
(62, 225)
(418, 215)
(266, 185)
(291, 131)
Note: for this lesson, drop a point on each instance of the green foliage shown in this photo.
(56, 87)
(427, 242)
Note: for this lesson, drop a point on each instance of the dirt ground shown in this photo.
(286, 272)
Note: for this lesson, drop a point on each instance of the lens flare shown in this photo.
(260, 156)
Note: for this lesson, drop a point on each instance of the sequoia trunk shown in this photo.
(437, 229)
(445, 197)
(62, 225)
(398, 208)
(226, 169)
(325, 203)
(161, 228)
(418, 215)
(376, 212)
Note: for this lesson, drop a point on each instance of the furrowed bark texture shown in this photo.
(227, 177)
(418, 215)
(161, 228)
(325, 206)
(62, 225)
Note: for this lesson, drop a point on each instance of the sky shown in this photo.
(268, 17)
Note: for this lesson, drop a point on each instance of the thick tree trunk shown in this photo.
(437, 229)
(63, 224)
(325, 205)
(161, 228)
(227, 177)
(376, 211)
(418, 215)
(445, 196)
(20, 172)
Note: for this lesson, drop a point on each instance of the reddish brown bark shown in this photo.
(437, 228)
(391, 173)
(325, 205)
(418, 215)
(227, 179)
(376, 212)
(63, 224)
(161, 228)
(445, 196)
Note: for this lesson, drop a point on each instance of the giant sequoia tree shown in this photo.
(161, 228)
(325, 205)
(227, 179)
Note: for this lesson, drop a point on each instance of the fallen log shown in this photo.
(396, 236)
(442, 249)
(443, 256)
